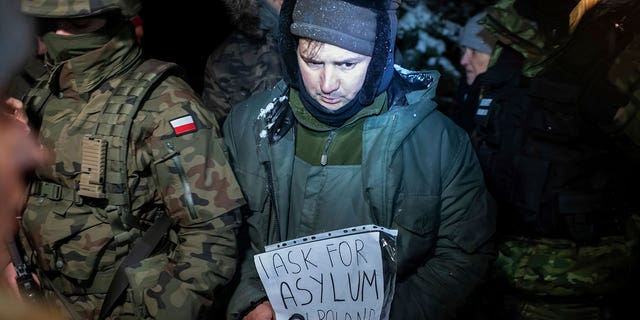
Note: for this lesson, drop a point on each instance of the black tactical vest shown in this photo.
(545, 144)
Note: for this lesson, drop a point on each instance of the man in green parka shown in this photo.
(349, 139)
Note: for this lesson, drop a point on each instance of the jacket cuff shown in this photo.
(246, 298)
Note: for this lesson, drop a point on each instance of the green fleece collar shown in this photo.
(378, 106)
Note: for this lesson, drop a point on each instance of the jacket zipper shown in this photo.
(188, 198)
(273, 210)
(323, 157)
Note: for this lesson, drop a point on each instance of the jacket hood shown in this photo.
(253, 18)
(244, 15)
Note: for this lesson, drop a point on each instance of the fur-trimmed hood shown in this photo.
(245, 16)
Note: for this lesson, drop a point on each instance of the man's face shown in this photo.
(474, 63)
(332, 76)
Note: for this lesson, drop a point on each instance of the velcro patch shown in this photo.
(183, 125)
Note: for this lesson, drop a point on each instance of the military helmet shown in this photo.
(78, 8)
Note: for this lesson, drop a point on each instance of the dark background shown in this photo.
(185, 32)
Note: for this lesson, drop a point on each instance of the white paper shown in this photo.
(335, 275)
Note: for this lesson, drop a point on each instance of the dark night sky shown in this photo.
(187, 31)
(184, 32)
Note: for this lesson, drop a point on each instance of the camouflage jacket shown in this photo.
(242, 65)
(174, 151)
(625, 75)
(540, 52)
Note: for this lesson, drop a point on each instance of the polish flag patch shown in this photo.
(183, 125)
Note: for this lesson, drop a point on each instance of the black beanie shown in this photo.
(338, 23)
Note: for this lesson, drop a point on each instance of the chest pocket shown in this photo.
(416, 218)
(75, 241)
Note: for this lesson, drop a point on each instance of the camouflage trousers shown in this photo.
(560, 279)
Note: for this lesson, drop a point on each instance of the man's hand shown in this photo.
(18, 144)
(15, 107)
(21, 151)
(263, 311)
(9, 278)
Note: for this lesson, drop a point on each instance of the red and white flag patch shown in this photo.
(183, 125)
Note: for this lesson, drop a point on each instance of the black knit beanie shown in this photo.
(339, 23)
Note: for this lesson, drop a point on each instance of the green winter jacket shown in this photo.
(421, 177)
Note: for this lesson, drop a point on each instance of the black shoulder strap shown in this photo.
(142, 248)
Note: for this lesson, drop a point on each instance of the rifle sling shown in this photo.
(142, 248)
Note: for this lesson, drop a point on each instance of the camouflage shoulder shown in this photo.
(515, 31)
(625, 75)
(171, 91)
(174, 96)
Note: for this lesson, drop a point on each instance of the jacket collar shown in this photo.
(85, 73)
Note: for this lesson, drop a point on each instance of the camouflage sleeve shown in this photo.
(215, 94)
(240, 67)
(518, 32)
(625, 75)
(200, 194)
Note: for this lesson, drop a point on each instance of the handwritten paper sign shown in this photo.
(332, 276)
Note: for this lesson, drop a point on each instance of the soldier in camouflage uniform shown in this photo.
(248, 60)
(132, 143)
(558, 138)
